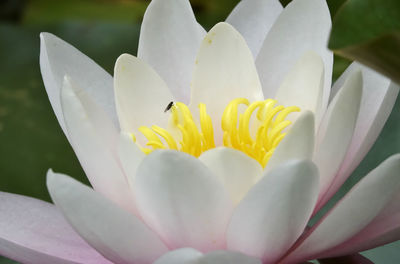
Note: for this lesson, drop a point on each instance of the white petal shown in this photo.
(385, 228)
(33, 231)
(304, 85)
(336, 130)
(275, 211)
(297, 144)
(141, 95)
(57, 59)
(182, 200)
(102, 124)
(237, 171)
(379, 96)
(253, 19)
(130, 157)
(224, 71)
(302, 26)
(98, 162)
(179, 256)
(226, 257)
(169, 39)
(115, 233)
(354, 212)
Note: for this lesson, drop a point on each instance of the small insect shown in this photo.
(169, 106)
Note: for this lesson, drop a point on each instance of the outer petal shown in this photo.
(227, 257)
(297, 144)
(253, 19)
(379, 96)
(237, 171)
(169, 40)
(275, 211)
(115, 233)
(336, 131)
(304, 85)
(179, 256)
(224, 71)
(385, 228)
(57, 59)
(182, 200)
(191, 256)
(302, 26)
(33, 231)
(99, 163)
(141, 95)
(353, 213)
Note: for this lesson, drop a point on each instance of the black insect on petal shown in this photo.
(168, 106)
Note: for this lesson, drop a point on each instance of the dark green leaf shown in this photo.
(351, 259)
(369, 31)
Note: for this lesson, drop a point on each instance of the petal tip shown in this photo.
(50, 175)
(304, 167)
(222, 27)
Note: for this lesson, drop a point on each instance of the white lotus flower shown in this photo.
(247, 185)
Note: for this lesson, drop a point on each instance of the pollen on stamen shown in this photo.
(257, 135)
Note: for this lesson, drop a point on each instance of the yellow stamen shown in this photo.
(257, 137)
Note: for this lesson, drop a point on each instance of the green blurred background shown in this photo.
(31, 140)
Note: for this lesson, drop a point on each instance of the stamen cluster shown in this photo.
(257, 137)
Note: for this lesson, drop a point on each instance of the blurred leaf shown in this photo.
(385, 254)
(285, 2)
(11, 10)
(6, 261)
(332, 4)
(369, 31)
(339, 66)
(351, 259)
(210, 12)
(44, 11)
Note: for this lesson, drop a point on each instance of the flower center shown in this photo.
(256, 135)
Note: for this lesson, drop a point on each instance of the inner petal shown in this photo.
(253, 128)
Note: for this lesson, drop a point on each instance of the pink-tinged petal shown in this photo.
(253, 19)
(275, 211)
(57, 59)
(181, 199)
(227, 257)
(297, 144)
(237, 171)
(224, 71)
(353, 213)
(115, 233)
(304, 85)
(385, 228)
(33, 231)
(336, 130)
(192, 256)
(141, 95)
(302, 26)
(180, 256)
(352, 259)
(379, 96)
(169, 40)
(99, 163)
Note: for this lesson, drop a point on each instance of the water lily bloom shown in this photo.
(212, 147)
